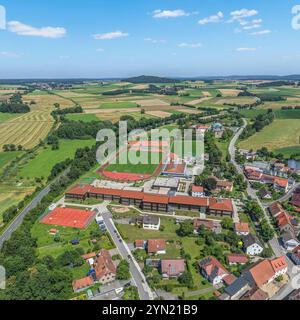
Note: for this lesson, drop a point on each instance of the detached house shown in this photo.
(156, 246)
(172, 268)
(242, 228)
(252, 245)
(197, 191)
(104, 268)
(213, 270)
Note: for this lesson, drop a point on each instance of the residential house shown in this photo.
(208, 224)
(295, 256)
(256, 294)
(275, 209)
(265, 271)
(264, 194)
(281, 184)
(197, 191)
(235, 259)
(156, 246)
(82, 284)
(104, 268)
(140, 244)
(213, 270)
(295, 201)
(218, 130)
(229, 279)
(223, 185)
(172, 268)
(238, 288)
(242, 228)
(151, 223)
(289, 241)
(252, 246)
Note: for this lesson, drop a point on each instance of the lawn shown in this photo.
(118, 105)
(131, 233)
(252, 113)
(280, 134)
(47, 245)
(288, 151)
(223, 146)
(42, 164)
(141, 168)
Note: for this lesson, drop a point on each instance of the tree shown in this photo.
(227, 224)
(186, 279)
(186, 229)
(266, 231)
(210, 183)
(123, 272)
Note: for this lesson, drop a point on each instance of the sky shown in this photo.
(120, 38)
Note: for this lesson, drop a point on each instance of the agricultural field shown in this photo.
(42, 164)
(281, 133)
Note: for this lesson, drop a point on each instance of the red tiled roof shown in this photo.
(155, 245)
(82, 283)
(104, 265)
(262, 272)
(155, 198)
(206, 223)
(229, 279)
(237, 258)
(89, 256)
(173, 267)
(139, 243)
(281, 182)
(212, 266)
(275, 209)
(203, 202)
(79, 190)
(296, 199)
(283, 219)
(279, 264)
(197, 189)
(220, 204)
(242, 227)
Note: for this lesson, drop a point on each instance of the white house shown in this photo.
(151, 223)
(197, 192)
(289, 242)
(252, 245)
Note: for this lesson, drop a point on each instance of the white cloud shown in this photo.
(254, 24)
(212, 19)
(246, 49)
(259, 33)
(9, 54)
(154, 40)
(170, 13)
(242, 14)
(111, 35)
(190, 45)
(26, 30)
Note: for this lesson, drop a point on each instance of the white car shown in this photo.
(52, 207)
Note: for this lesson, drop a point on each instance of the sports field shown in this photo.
(140, 168)
(281, 133)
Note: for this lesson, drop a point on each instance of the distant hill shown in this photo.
(149, 79)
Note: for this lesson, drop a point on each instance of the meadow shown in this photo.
(281, 133)
(42, 164)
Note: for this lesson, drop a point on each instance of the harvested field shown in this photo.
(151, 102)
(198, 101)
(160, 114)
(190, 111)
(26, 130)
(110, 111)
(229, 92)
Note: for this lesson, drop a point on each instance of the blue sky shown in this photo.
(97, 38)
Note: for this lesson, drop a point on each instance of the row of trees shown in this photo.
(14, 105)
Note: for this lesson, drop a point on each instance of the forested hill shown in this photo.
(149, 79)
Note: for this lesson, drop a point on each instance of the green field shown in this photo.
(7, 157)
(118, 105)
(288, 151)
(42, 164)
(140, 168)
(7, 116)
(82, 117)
(281, 133)
(287, 114)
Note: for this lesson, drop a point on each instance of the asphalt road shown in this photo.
(138, 277)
